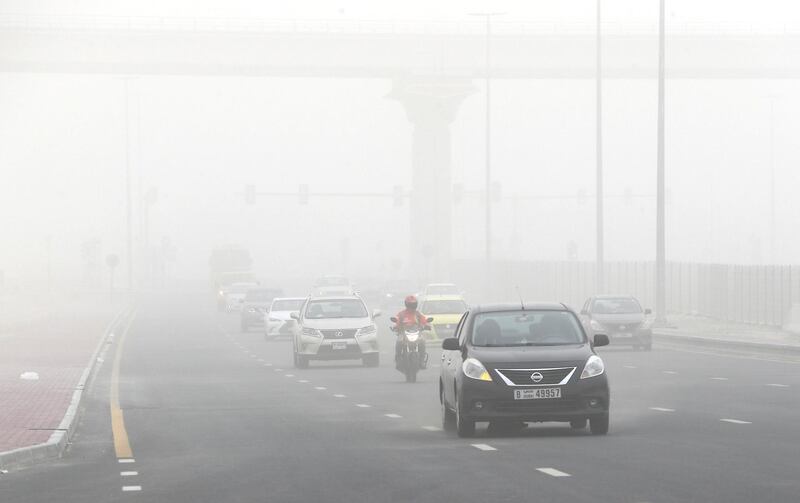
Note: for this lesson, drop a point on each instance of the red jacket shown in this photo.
(408, 317)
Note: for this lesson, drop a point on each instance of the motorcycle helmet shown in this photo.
(411, 302)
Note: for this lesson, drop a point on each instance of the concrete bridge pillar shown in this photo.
(431, 105)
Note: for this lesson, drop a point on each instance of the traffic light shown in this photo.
(249, 194)
(303, 194)
(397, 194)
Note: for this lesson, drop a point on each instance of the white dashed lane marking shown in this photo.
(553, 472)
(776, 385)
(302, 381)
(339, 395)
(393, 416)
(662, 409)
(289, 375)
(735, 421)
(669, 372)
(126, 460)
(629, 366)
(431, 428)
(363, 405)
(719, 378)
(484, 447)
(267, 364)
(128, 474)
(320, 388)
(131, 488)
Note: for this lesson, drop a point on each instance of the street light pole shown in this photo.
(660, 191)
(600, 245)
(488, 70)
(128, 198)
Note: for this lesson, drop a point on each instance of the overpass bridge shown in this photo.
(432, 67)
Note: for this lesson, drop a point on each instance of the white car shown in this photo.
(278, 318)
(235, 294)
(335, 328)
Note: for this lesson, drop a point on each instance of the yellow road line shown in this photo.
(122, 446)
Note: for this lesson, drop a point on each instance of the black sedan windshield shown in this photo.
(526, 328)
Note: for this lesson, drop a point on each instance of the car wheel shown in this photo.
(372, 360)
(599, 424)
(578, 424)
(464, 427)
(448, 416)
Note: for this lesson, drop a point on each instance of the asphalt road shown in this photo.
(215, 415)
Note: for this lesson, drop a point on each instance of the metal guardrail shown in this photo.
(750, 294)
(372, 27)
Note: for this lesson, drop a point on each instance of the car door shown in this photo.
(451, 362)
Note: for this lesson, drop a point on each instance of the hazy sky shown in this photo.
(198, 140)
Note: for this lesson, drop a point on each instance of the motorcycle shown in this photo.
(412, 355)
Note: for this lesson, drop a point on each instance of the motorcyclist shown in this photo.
(407, 317)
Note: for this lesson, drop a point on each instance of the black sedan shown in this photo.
(513, 363)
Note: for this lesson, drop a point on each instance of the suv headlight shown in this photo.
(594, 367)
(311, 332)
(475, 370)
(595, 325)
(368, 330)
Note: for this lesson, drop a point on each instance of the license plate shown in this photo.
(339, 345)
(537, 393)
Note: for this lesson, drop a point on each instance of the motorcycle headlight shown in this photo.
(475, 370)
(311, 332)
(594, 367)
(368, 330)
(595, 325)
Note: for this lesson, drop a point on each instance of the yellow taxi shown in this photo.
(446, 311)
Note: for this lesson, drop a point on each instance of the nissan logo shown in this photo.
(536, 377)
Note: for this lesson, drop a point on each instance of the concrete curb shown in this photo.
(55, 445)
(722, 342)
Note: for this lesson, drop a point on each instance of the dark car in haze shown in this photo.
(255, 305)
(621, 318)
(513, 363)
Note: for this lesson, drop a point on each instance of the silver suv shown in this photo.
(335, 328)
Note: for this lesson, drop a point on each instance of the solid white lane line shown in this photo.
(735, 421)
(393, 416)
(320, 388)
(483, 447)
(431, 428)
(662, 409)
(553, 472)
(363, 405)
(776, 385)
(131, 488)
(128, 474)
(719, 378)
(338, 395)
(126, 460)
(670, 372)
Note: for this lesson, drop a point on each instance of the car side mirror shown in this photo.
(601, 340)
(295, 316)
(648, 311)
(451, 344)
(393, 319)
(376, 313)
(429, 319)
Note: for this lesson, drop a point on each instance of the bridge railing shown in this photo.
(751, 294)
(374, 26)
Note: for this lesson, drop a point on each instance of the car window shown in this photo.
(287, 305)
(460, 332)
(432, 307)
(335, 308)
(622, 305)
(526, 328)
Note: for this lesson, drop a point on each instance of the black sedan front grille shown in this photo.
(348, 333)
(530, 377)
(537, 406)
